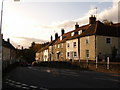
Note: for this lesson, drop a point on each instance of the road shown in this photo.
(44, 78)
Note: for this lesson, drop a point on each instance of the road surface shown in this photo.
(45, 78)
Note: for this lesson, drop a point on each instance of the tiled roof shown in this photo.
(46, 47)
(98, 28)
(7, 44)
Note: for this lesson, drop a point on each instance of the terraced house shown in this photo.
(8, 54)
(86, 42)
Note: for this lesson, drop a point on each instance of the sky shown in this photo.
(36, 20)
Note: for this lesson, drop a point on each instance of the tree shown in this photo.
(106, 22)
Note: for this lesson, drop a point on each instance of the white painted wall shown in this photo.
(71, 49)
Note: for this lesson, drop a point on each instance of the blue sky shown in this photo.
(25, 22)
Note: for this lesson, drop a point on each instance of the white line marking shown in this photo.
(17, 82)
(43, 88)
(24, 84)
(33, 86)
(25, 87)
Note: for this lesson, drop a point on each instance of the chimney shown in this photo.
(92, 19)
(51, 38)
(62, 31)
(56, 36)
(8, 40)
(76, 26)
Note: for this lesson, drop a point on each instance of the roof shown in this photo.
(46, 47)
(98, 28)
(7, 44)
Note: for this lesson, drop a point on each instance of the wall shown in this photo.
(90, 46)
(71, 49)
(103, 47)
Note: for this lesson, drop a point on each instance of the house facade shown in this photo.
(86, 42)
(8, 53)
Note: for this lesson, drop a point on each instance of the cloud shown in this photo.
(110, 13)
(26, 41)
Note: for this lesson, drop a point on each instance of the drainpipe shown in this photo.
(95, 47)
(79, 48)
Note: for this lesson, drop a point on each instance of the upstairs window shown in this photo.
(61, 45)
(87, 40)
(58, 45)
(79, 32)
(68, 45)
(72, 34)
(108, 41)
(74, 44)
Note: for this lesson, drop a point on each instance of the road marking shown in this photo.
(33, 86)
(17, 82)
(25, 87)
(43, 88)
(24, 84)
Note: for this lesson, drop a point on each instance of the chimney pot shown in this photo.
(62, 31)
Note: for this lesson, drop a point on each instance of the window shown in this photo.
(58, 45)
(87, 53)
(79, 32)
(55, 46)
(75, 33)
(68, 54)
(60, 37)
(74, 44)
(75, 54)
(72, 34)
(87, 40)
(62, 45)
(68, 45)
(108, 40)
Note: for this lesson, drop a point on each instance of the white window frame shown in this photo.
(61, 45)
(72, 34)
(58, 45)
(79, 32)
